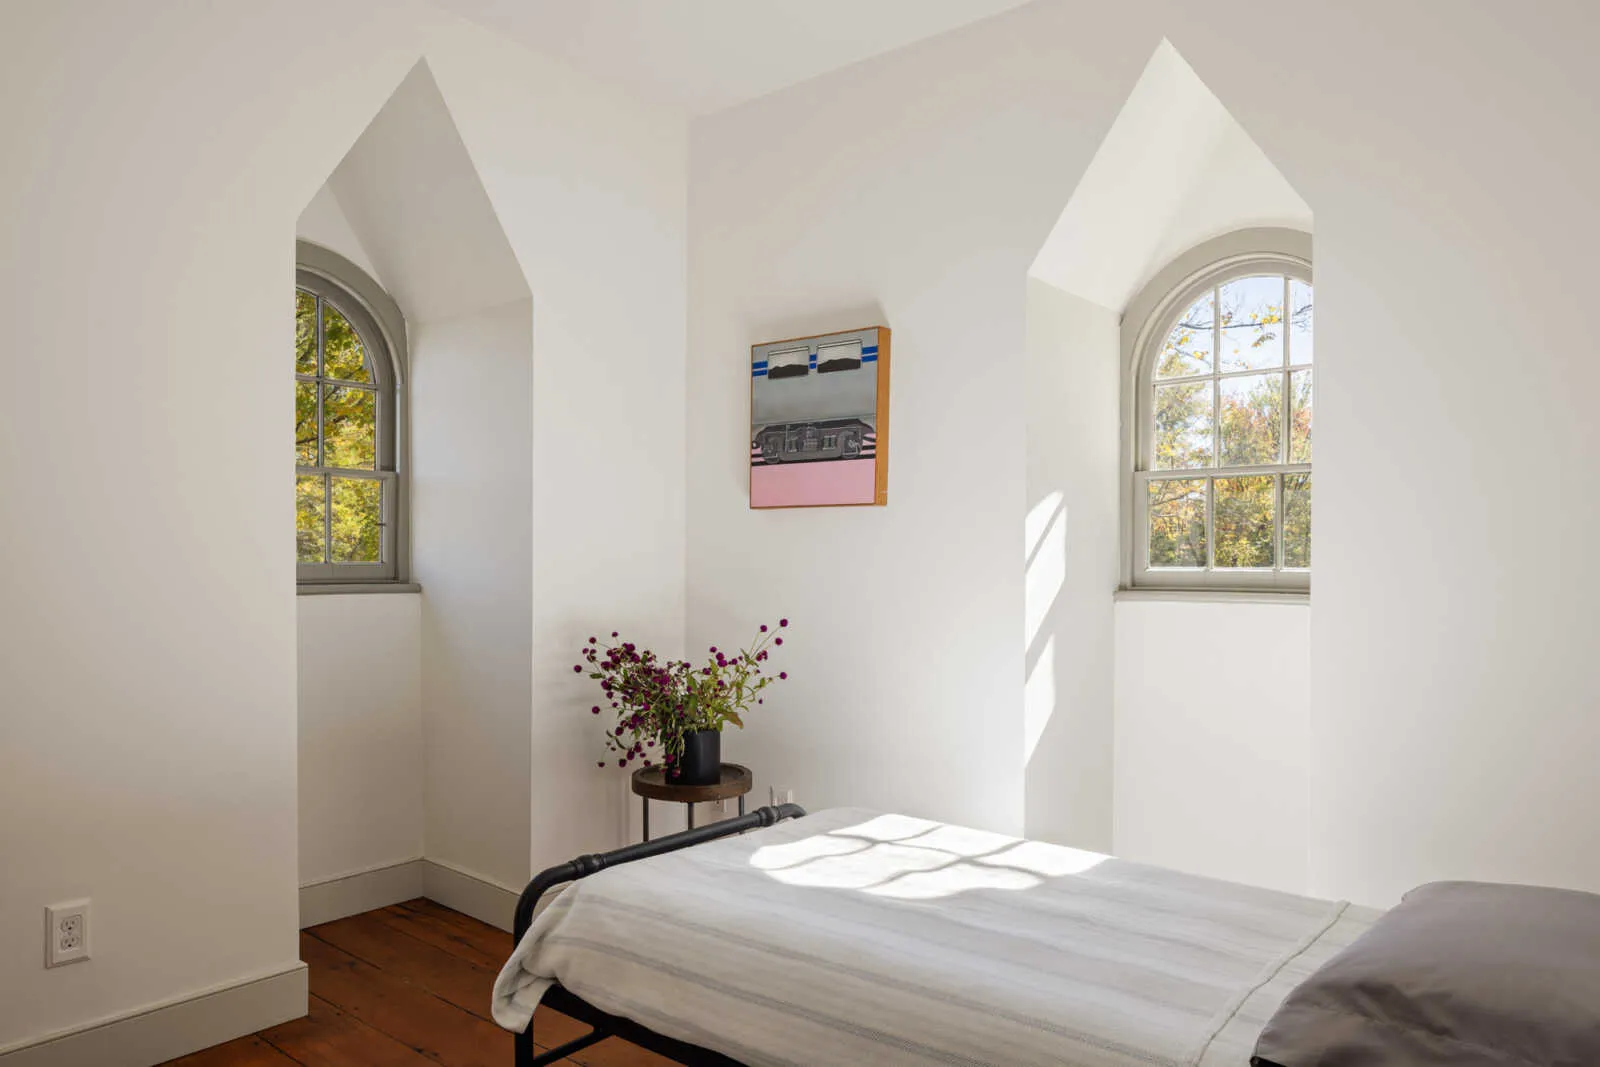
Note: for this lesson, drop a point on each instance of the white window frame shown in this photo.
(1145, 327)
(378, 322)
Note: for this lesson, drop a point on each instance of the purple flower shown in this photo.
(613, 633)
(595, 710)
(578, 668)
(777, 640)
(783, 675)
(713, 650)
(592, 641)
(763, 627)
(602, 763)
(622, 763)
(783, 622)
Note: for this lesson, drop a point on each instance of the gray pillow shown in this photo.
(1459, 973)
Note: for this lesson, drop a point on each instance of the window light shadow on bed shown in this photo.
(911, 859)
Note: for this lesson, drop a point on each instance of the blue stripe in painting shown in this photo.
(758, 374)
(869, 359)
(869, 350)
(760, 364)
(757, 461)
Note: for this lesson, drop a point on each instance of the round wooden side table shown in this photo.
(650, 783)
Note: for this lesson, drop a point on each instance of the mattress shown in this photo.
(853, 937)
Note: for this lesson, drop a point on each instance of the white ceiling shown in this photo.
(411, 199)
(1174, 170)
(698, 56)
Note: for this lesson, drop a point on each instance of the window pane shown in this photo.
(1300, 338)
(1178, 522)
(349, 428)
(309, 533)
(1252, 323)
(305, 424)
(1183, 426)
(1297, 520)
(342, 354)
(1188, 347)
(1300, 417)
(1252, 419)
(305, 332)
(357, 520)
(1244, 521)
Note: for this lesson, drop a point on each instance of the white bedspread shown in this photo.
(849, 937)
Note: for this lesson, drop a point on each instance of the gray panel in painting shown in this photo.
(836, 395)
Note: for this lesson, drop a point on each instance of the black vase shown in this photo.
(702, 759)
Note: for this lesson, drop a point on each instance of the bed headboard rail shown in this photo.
(584, 866)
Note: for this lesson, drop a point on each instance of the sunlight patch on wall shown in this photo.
(1046, 572)
(1038, 699)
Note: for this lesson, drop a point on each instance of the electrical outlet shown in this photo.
(66, 934)
(781, 794)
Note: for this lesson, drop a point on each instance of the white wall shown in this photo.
(471, 507)
(1212, 717)
(1175, 169)
(324, 222)
(890, 192)
(359, 665)
(360, 745)
(1451, 720)
(1073, 539)
(414, 201)
(1234, 186)
(1452, 673)
(147, 633)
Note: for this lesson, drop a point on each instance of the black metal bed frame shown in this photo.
(602, 1024)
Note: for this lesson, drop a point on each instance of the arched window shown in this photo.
(1222, 357)
(349, 497)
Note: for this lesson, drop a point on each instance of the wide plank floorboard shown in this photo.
(406, 986)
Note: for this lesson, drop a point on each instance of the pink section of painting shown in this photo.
(797, 485)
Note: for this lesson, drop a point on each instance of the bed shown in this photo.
(851, 936)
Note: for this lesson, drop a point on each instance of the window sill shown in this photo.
(355, 588)
(1294, 598)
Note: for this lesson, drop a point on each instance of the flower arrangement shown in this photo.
(659, 702)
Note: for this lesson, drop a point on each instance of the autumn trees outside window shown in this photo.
(1221, 491)
(346, 481)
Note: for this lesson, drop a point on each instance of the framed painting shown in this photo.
(819, 420)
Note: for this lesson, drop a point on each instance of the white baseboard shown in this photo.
(352, 894)
(173, 1028)
(471, 894)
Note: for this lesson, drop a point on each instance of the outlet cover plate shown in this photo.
(66, 934)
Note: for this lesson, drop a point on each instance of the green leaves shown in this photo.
(657, 702)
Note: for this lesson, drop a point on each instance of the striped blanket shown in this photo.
(850, 937)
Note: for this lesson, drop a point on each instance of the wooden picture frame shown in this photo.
(819, 420)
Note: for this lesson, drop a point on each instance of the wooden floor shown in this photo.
(406, 986)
